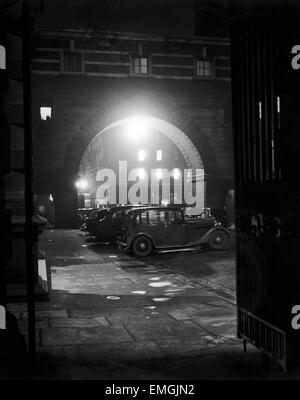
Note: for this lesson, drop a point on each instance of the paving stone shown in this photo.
(108, 311)
(139, 317)
(216, 312)
(58, 356)
(175, 347)
(183, 312)
(39, 323)
(48, 314)
(219, 326)
(207, 366)
(184, 331)
(116, 372)
(140, 350)
(78, 322)
(80, 336)
(103, 264)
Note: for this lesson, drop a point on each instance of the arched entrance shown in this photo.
(150, 146)
(188, 135)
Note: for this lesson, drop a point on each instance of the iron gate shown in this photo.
(265, 97)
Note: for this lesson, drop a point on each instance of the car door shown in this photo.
(176, 228)
(157, 227)
(115, 226)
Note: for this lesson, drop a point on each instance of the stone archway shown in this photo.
(178, 137)
(191, 160)
(195, 142)
(106, 117)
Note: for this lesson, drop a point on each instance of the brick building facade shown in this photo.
(91, 79)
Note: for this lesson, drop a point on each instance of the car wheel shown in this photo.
(217, 240)
(142, 246)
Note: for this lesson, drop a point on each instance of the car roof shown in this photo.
(127, 206)
(159, 208)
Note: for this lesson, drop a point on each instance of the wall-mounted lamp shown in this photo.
(45, 113)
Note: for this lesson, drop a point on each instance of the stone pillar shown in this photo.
(66, 203)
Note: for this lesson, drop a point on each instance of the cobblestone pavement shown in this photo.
(111, 316)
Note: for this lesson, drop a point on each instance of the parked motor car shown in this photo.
(112, 226)
(84, 215)
(88, 218)
(81, 215)
(98, 218)
(153, 228)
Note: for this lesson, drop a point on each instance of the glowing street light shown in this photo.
(136, 128)
(82, 184)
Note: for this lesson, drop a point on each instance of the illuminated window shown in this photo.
(204, 68)
(158, 155)
(141, 155)
(259, 110)
(2, 57)
(45, 113)
(278, 105)
(140, 65)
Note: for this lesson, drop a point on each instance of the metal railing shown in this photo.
(265, 336)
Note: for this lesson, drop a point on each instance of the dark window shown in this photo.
(141, 218)
(72, 61)
(175, 217)
(203, 68)
(140, 65)
(144, 218)
(156, 217)
(117, 215)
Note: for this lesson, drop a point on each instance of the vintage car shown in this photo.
(98, 218)
(85, 215)
(167, 227)
(112, 226)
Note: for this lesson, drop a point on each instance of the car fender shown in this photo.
(204, 238)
